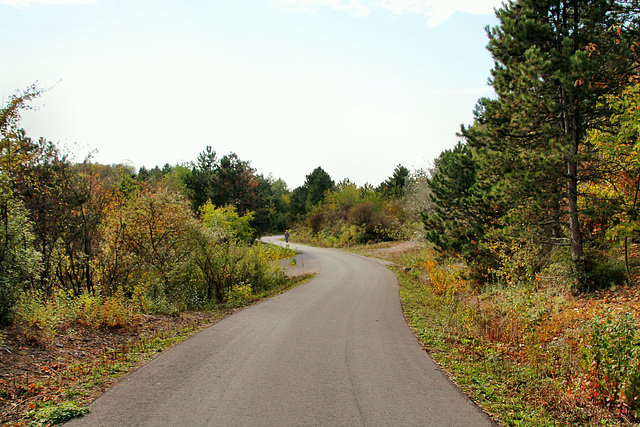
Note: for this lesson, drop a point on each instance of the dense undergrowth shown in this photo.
(532, 356)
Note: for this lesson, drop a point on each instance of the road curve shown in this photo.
(334, 351)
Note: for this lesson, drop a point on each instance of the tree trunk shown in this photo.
(575, 234)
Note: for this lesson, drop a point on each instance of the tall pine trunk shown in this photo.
(575, 235)
(573, 138)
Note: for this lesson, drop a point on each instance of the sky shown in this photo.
(356, 87)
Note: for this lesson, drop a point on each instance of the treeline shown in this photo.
(171, 238)
(344, 214)
(545, 182)
(176, 238)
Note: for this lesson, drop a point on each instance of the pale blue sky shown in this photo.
(354, 86)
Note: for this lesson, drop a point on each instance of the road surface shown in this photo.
(335, 351)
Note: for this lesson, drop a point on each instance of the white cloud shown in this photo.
(435, 11)
(25, 3)
(438, 11)
(310, 7)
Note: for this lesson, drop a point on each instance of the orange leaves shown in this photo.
(591, 48)
(444, 279)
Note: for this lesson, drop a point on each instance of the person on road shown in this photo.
(286, 236)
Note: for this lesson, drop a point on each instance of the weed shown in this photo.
(239, 295)
(611, 360)
(56, 413)
(37, 318)
(112, 311)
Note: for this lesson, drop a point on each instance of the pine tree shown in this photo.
(462, 214)
(554, 60)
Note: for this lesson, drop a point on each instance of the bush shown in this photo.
(37, 317)
(260, 268)
(100, 312)
(611, 360)
(57, 413)
(238, 295)
(19, 260)
(603, 273)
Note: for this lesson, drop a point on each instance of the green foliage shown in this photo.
(200, 182)
(15, 149)
(223, 264)
(103, 312)
(517, 350)
(225, 181)
(604, 270)
(40, 317)
(611, 360)
(462, 214)
(56, 413)
(311, 193)
(148, 243)
(616, 189)
(272, 205)
(37, 317)
(395, 186)
(19, 260)
(226, 222)
(349, 215)
(238, 295)
(260, 267)
(554, 61)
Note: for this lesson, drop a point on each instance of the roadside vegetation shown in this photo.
(518, 265)
(44, 383)
(530, 356)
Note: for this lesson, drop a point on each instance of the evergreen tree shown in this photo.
(395, 186)
(317, 183)
(235, 184)
(311, 193)
(272, 204)
(554, 60)
(200, 182)
(227, 181)
(461, 214)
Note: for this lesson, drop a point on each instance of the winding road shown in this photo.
(335, 351)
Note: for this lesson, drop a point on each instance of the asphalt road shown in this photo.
(333, 352)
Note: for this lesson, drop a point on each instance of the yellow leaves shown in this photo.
(444, 279)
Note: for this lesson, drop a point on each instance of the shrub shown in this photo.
(112, 311)
(57, 413)
(258, 268)
(611, 360)
(603, 272)
(238, 295)
(444, 279)
(37, 318)
(19, 261)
